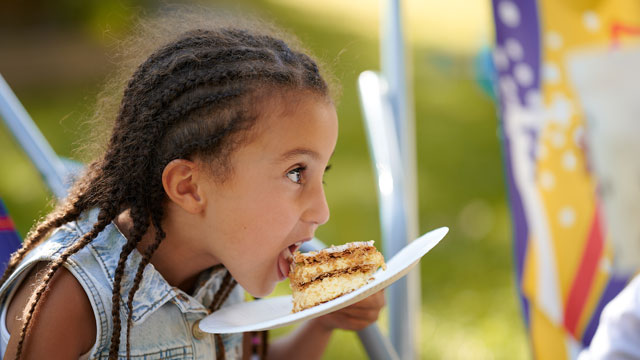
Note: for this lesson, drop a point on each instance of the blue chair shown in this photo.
(9, 238)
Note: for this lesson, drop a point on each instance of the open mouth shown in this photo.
(285, 258)
(294, 247)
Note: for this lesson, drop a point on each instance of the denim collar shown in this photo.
(154, 290)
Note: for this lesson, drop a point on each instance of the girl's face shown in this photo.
(274, 200)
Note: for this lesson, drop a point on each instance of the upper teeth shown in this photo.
(287, 254)
(298, 243)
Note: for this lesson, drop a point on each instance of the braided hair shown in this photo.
(197, 95)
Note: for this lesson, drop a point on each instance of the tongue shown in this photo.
(283, 262)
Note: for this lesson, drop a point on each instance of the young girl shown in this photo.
(212, 177)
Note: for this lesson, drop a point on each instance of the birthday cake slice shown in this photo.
(319, 276)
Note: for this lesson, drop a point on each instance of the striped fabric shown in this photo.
(562, 255)
(9, 238)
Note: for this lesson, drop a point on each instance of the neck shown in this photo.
(177, 262)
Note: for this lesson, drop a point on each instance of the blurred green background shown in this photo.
(56, 57)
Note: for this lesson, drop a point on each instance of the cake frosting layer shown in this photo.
(337, 249)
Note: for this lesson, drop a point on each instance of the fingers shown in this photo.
(369, 316)
(376, 301)
(360, 320)
(350, 322)
(368, 313)
(361, 314)
(378, 298)
(356, 316)
(355, 325)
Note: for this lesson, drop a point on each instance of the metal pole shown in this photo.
(30, 138)
(404, 300)
(377, 345)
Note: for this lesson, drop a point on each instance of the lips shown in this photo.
(285, 258)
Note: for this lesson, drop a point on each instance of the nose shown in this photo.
(317, 211)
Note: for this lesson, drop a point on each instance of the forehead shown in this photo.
(294, 126)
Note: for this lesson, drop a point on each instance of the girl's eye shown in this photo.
(325, 171)
(295, 175)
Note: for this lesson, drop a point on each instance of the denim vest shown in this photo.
(165, 319)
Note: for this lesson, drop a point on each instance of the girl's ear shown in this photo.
(180, 179)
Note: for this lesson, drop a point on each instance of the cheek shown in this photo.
(275, 214)
(267, 234)
(262, 231)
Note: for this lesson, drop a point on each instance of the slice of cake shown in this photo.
(319, 276)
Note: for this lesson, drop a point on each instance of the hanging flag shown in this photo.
(9, 238)
(561, 246)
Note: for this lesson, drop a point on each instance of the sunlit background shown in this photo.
(56, 56)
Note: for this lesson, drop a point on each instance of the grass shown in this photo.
(469, 307)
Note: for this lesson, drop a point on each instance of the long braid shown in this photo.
(227, 285)
(141, 223)
(103, 220)
(146, 259)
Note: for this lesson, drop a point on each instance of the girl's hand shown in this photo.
(354, 317)
(313, 336)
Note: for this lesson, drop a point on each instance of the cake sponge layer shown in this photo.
(361, 257)
(329, 288)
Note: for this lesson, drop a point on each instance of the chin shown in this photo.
(261, 291)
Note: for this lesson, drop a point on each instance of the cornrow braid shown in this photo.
(196, 96)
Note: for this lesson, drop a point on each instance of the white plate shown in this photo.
(275, 312)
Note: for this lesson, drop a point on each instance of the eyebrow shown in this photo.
(298, 152)
(302, 152)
